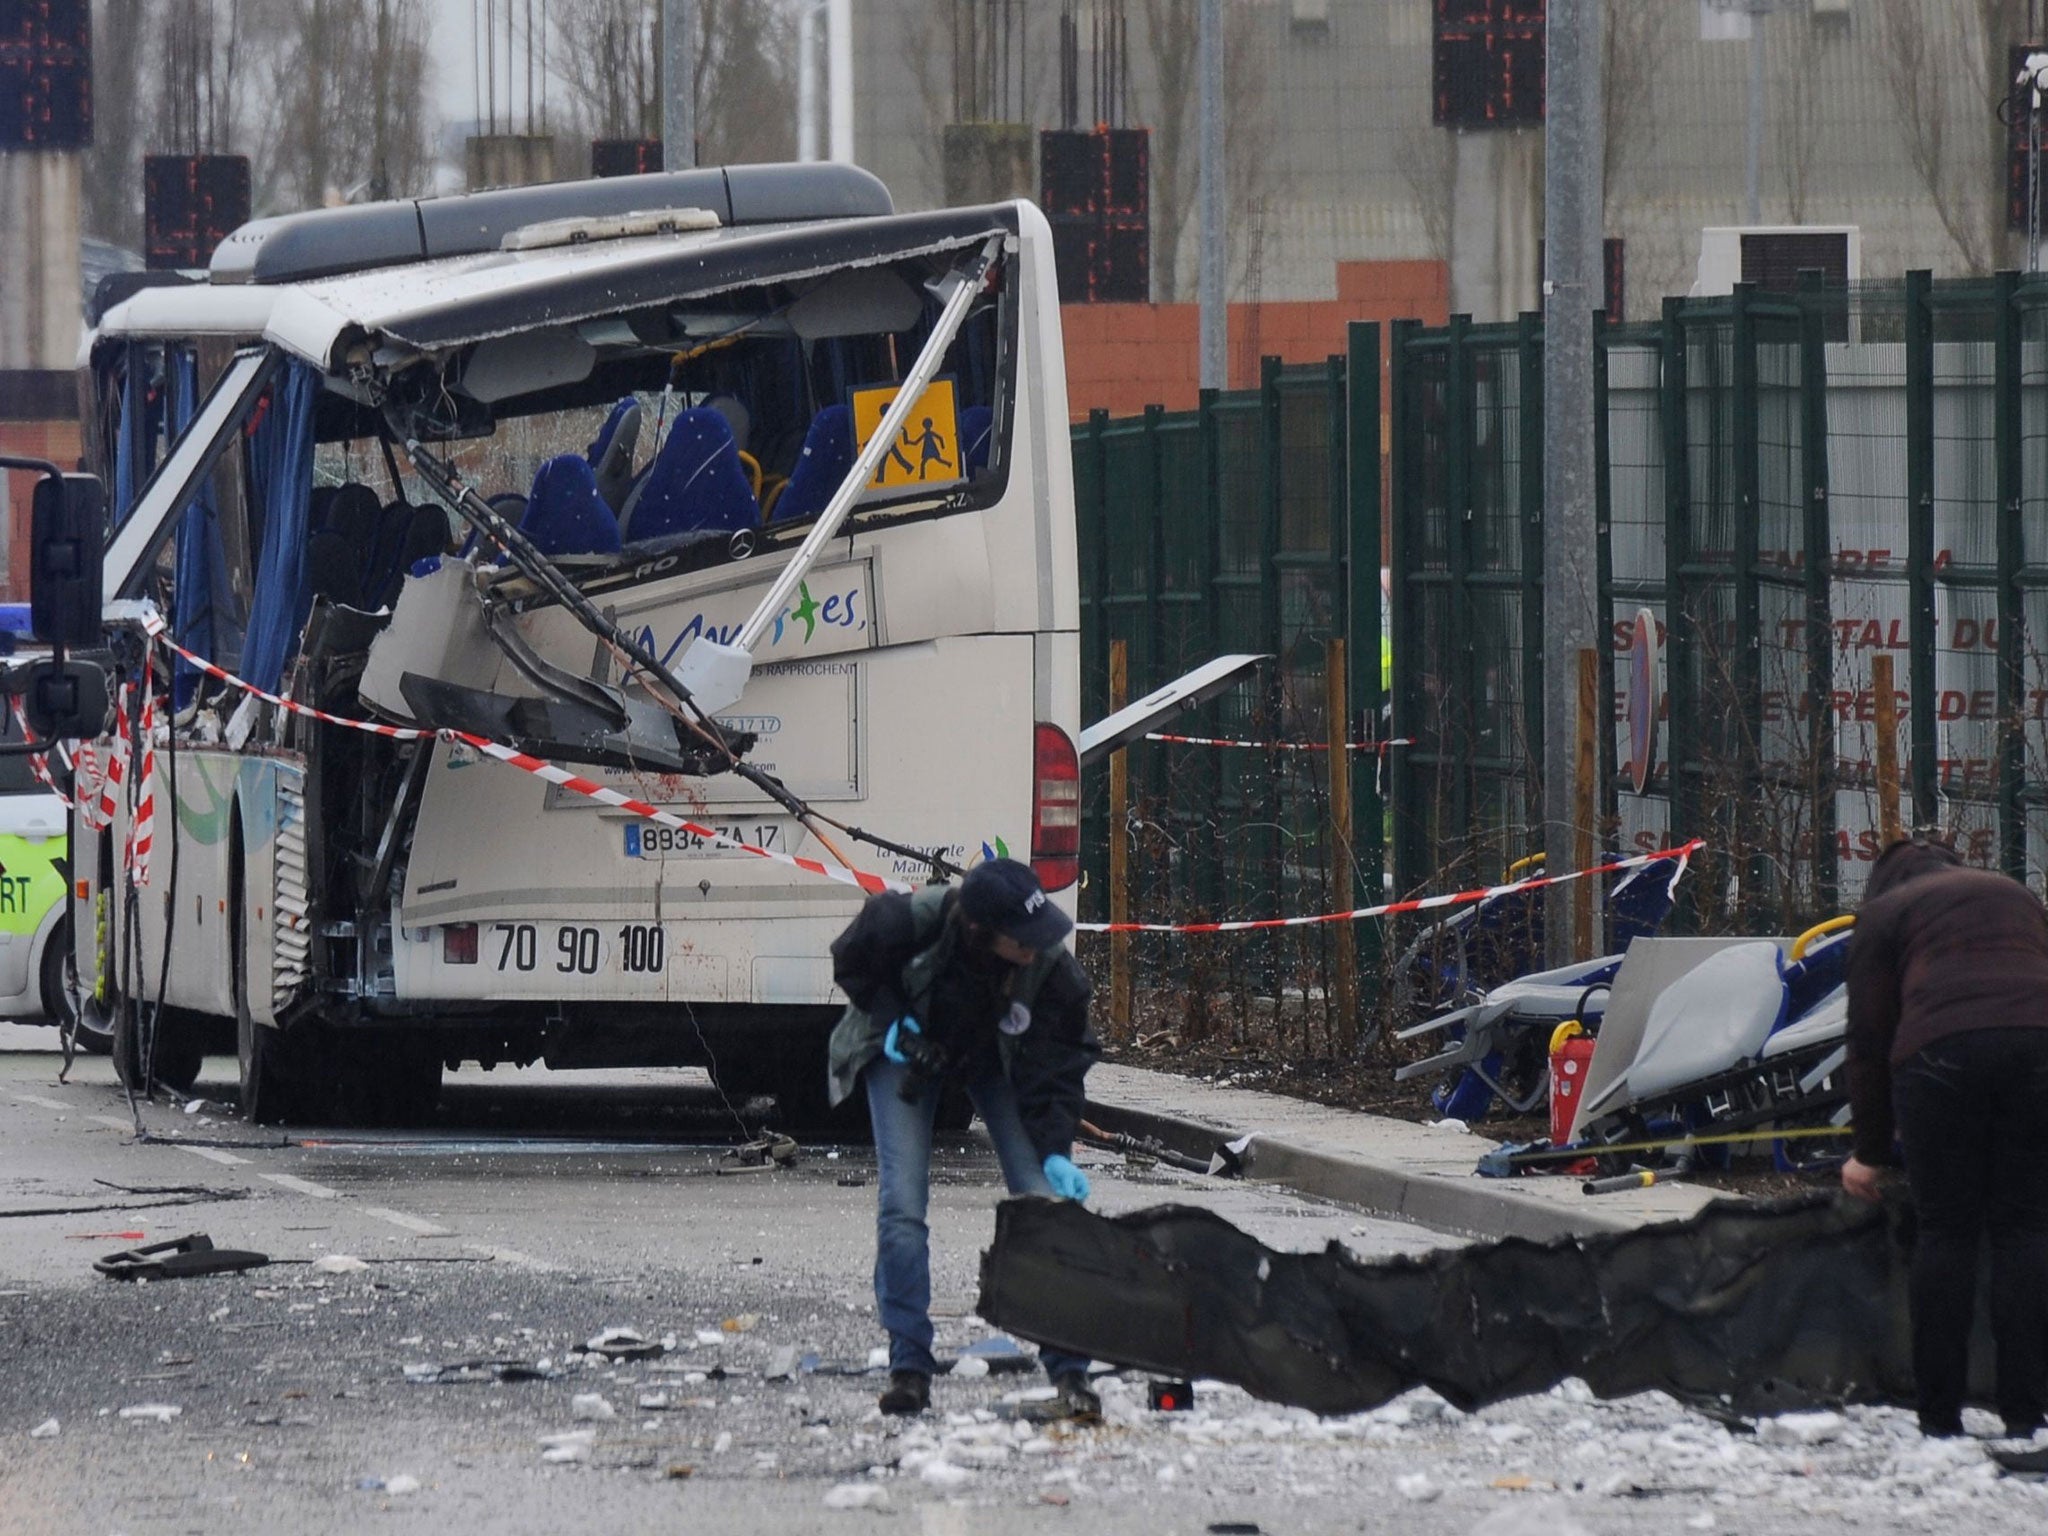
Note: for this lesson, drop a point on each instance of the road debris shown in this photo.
(469, 1372)
(1754, 1308)
(620, 1343)
(161, 1413)
(339, 1264)
(761, 1155)
(47, 1430)
(569, 1445)
(179, 1258)
(400, 1484)
(591, 1405)
(857, 1496)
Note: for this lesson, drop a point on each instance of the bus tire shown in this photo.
(97, 1041)
(179, 1054)
(268, 1092)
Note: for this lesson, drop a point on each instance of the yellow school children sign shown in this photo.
(926, 452)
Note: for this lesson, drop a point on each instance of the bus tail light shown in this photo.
(1055, 808)
(458, 944)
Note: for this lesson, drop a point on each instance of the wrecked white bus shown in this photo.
(733, 491)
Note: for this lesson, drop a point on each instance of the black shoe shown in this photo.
(1074, 1399)
(909, 1392)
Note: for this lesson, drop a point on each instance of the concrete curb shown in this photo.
(1473, 1207)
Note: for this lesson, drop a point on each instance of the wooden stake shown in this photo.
(1341, 881)
(1119, 853)
(1585, 801)
(1889, 829)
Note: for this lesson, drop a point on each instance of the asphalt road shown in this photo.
(544, 1208)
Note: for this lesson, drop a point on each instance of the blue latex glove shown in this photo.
(909, 1025)
(1067, 1181)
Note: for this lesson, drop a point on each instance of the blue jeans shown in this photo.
(903, 1158)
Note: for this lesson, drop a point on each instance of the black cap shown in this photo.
(1005, 895)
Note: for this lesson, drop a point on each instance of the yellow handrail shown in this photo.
(1821, 931)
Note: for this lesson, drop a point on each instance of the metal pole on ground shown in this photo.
(1572, 217)
(678, 84)
(1214, 280)
(1342, 890)
(1119, 852)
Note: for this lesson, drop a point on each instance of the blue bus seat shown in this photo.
(695, 482)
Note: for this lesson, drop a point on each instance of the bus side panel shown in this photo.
(563, 911)
(194, 912)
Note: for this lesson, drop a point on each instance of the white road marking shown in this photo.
(42, 1103)
(301, 1186)
(513, 1257)
(212, 1155)
(417, 1224)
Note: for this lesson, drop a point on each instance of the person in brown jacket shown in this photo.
(1948, 1041)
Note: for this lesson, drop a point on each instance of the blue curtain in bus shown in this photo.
(135, 444)
(202, 564)
(281, 465)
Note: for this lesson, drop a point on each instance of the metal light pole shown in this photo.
(678, 84)
(1215, 255)
(1753, 165)
(839, 77)
(1572, 218)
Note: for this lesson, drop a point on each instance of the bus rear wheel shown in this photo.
(179, 1053)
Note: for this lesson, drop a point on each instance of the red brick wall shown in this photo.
(1124, 357)
(57, 441)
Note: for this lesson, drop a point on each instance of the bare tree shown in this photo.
(606, 54)
(1634, 41)
(1945, 61)
(1171, 33)
(1796, 94)
(113, 168)
(344, 86)
(1427, 158)
(199, 48)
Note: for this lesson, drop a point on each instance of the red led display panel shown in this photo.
(45, 74)
(1487, 64)
(1095, 188)
(624, 157)
(190, 203)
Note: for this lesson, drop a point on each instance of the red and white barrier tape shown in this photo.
(554, 774)
(1378, 748)
(142, 830)
(1682, 853)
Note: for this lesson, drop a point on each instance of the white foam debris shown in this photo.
(338, 1264)
(47, 1430)
(857, 1496)
(1417, 1488)
(568, 1446)
(162, 1413)
(1801, 1428)
(591, 1405)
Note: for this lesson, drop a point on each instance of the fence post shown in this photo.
(1401, 456)
(1748, 659)
(1603, 579)
(1119, 851)
(2012, 822)
(1209, 850)
(1529, 452)
(1680, 733)
(1920, 544)
(1272, 847)
(1585, 800)
(1341, 883)
(1362, 449)
(1820, 630)
(1155, 670)
(1458, 652)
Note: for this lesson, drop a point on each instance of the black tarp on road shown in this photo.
(1744, 1308)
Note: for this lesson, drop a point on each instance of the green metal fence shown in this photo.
(1792, 484)
(1251, 524)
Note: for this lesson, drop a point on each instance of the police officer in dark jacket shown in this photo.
(1948, 1041)
(970, 986)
